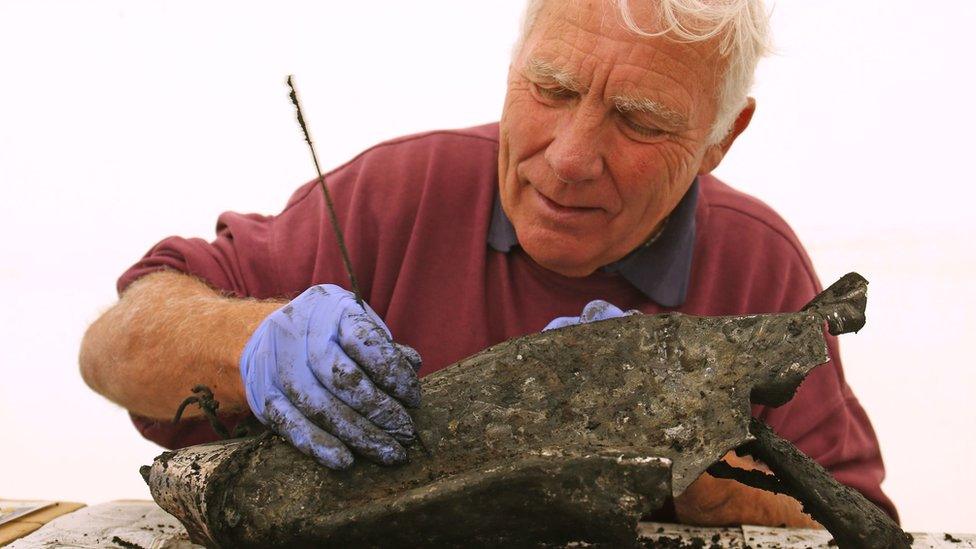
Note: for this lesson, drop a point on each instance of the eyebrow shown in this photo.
(541, 69)
(545, 70)
(640, 104)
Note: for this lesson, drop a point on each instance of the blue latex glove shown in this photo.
(327, 376)
(593, 311)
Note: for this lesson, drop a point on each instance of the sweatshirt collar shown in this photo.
(660, 268)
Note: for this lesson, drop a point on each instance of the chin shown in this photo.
(562, 258)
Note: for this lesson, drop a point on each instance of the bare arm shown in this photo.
(711, 501)
(168, 332)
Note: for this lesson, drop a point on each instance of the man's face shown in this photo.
(602, 133)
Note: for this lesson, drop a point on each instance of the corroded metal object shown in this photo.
(855, 522)
(554, 437)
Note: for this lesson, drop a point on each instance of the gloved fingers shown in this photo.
(599, 310)
(368, 343)
(376, 318)
(314, 312)
(593, 311)
(333, 416)
(343, 378)
(283, 418)
(411, 354)
(562, 322)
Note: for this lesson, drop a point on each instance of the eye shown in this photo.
(553, 93)
(643, 132)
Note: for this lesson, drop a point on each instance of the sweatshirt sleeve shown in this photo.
(237, 262)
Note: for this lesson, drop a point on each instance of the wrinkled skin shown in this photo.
(584, 181)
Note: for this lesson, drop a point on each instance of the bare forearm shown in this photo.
(168, 332)
(710, 501)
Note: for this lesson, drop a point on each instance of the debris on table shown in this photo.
(128, 524)
(662, 535)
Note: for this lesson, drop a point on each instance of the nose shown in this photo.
(574, 153)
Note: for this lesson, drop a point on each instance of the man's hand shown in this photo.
(327, 376)
(593, 311)
(710, 501)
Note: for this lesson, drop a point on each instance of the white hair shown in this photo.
(743, 26)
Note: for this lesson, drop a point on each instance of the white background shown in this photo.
(123, 122)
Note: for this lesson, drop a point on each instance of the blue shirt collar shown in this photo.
(660, 269)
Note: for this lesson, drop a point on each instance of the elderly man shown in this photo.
(591, 194)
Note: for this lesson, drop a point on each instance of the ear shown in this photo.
(716, 152)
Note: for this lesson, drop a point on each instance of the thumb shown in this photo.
(600, 310)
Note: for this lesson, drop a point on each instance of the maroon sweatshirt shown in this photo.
(417, 213)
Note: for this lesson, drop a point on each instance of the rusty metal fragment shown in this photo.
(855, 522)
(554, 437)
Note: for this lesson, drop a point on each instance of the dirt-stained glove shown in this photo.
(593, 311)
(328, 377)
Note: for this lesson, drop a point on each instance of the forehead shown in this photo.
(587, 39)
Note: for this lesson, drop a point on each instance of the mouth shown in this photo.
(560, 211)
